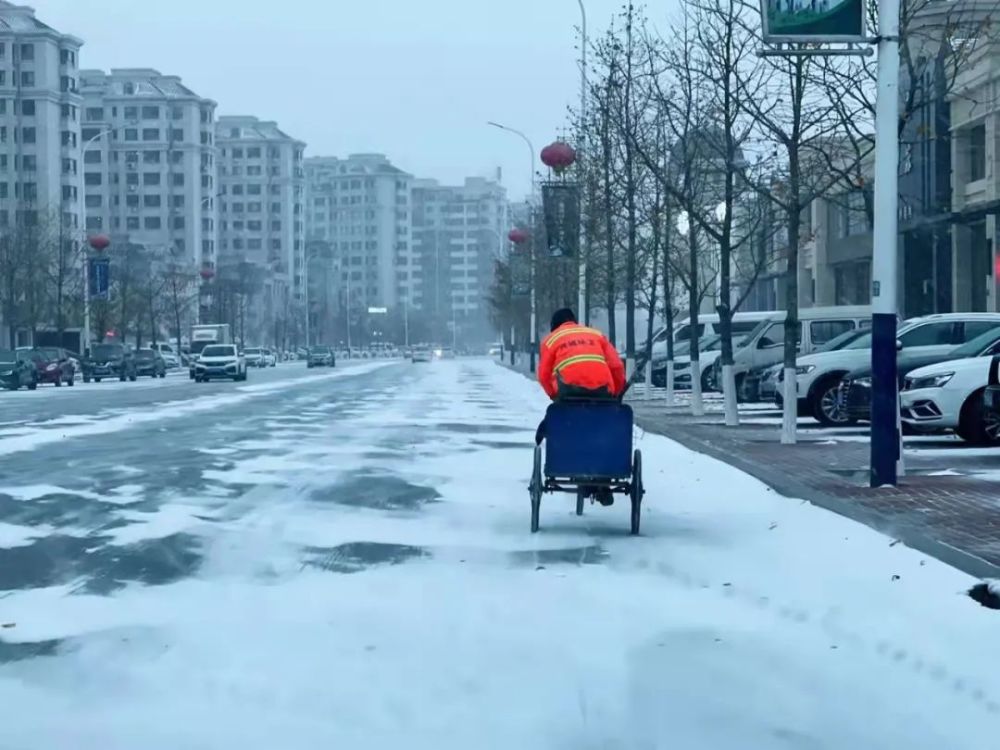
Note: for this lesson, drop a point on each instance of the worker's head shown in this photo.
(562, 316)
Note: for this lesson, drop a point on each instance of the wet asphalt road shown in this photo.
(84, 471)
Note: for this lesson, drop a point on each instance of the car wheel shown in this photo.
(163, 374)
(826, 406)
(132, 378)
(975, 424)
(58, 382)
(71, 382)
(97, 380)
(86, 379)
(121, 378)
(32, 385)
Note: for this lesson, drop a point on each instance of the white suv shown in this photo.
(220, 361)
(818, 375)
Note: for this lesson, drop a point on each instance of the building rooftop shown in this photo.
(19, 18)
(356, 164)
(136, 82)
(248, 127)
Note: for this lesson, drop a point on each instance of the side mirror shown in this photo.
(899, 345)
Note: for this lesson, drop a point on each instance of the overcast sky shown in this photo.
(415, 80)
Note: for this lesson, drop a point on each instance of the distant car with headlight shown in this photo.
(421, 354)
(220, 361)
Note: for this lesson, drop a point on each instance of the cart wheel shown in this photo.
(580, 496)
(535, 488)
(636, 490)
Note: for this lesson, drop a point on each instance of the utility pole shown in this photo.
(885, 440)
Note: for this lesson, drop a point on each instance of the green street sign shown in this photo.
(813, 20)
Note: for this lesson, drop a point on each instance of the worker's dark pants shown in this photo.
(569, 392)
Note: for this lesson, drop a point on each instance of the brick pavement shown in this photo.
(945, 506)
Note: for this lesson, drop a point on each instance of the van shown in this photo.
(765, 346)
(166, 351)
(708, 326)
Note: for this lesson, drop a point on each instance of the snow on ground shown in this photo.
(377, 587)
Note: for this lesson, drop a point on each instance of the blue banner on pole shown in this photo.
(100, 277)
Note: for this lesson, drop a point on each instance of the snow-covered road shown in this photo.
(344, 561)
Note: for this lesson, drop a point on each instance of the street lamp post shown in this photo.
(83, 228)
(582, 263)
(534, 311)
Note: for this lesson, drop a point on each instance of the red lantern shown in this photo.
(517, 236)
(558, 156)
(99, 242)
(207, 274)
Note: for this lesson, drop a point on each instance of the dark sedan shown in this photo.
(856, 386)
(109, 361)
(17, 369)
(321, 356)
(150, 362)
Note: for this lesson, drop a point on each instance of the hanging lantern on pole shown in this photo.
(518, 236)
(558, 156)
(99, 242)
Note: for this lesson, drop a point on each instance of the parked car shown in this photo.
(763, 384)
(220, 361)
(168, 354)
(818, 375)
(856, 386)
(321, 356)
(421, 354)
(268, 358)
(54, 366)
(709, 350)
(109, 361)
(17, 369)
(254, 356)
(149, 362)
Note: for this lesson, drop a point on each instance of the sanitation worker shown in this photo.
(578, 363)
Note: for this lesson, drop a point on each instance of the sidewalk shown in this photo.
(947, 505)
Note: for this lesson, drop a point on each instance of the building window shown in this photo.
(150, 178)
(29, 163)
(254, 243)
(253, 153)
(68, 165)
(131, 113)
(275, 244)
(237, 190)
(150, 134)
(150, 113)
(67, 57)
(27, 78)
(94, 201)
(237, 153)
(132, 201)
(977, 152)
(253, 190)
(92, 156)
(176, 113)
(178, 222)
(95, 222)
(93, 178)
(254, 225)
(27, 51)
(151, 222)
(94, 114)
(132, 222)
(176, 134)
(68, 138)
(132, 178)
(67, 84)
(254, 171)
(178, 179)
(68, 112)
(27, 107)
(150, 157)
(151, 201)
(177, 157)
(131, 134)
(177, 201)
(254, 207)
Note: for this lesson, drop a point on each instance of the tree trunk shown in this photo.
(697, 406)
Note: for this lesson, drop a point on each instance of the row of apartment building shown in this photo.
(139, 156)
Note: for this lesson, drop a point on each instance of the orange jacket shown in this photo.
(579, 356)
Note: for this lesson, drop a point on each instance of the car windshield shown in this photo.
(842, 340)
(107, 350)
(715, 343)
(975, 347)
(50, 354)
(145, 354)
(319, 350)
(218, 350)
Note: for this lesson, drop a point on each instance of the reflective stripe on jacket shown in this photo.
(580, 356)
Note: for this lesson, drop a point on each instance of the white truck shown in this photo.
(205, 335)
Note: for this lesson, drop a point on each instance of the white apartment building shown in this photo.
(149, 164)
(458, 233)
(361, 206)
(39, 125)
(262, 219)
